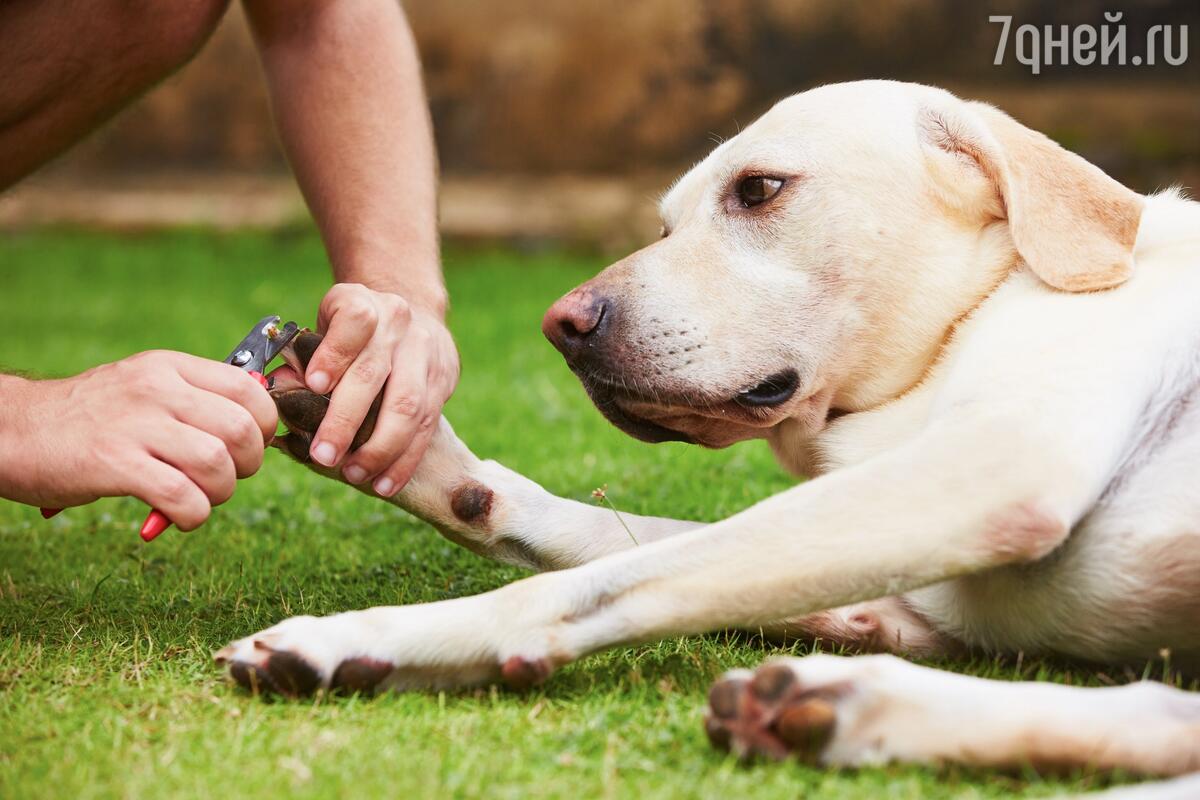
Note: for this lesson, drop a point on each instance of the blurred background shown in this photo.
(562, 120)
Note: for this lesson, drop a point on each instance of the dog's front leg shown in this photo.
(478, 504)
(909, 518)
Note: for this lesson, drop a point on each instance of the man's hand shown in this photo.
(363, 154)
(373, 341)
(174, 430)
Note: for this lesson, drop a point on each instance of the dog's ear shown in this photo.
(1072, 224)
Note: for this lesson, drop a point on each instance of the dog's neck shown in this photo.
(905, 330)
(900, 338)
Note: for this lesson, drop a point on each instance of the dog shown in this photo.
(983, 351)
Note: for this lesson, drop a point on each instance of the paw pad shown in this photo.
(524, 673)
(290, 675)
(360, 675)
(770, 714)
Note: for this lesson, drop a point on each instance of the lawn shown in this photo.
(107, 688)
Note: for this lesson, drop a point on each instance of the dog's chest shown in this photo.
(1126, 583)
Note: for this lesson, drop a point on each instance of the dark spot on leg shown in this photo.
(292, 675)
(522, 673)
(360, 674)
(472, 502)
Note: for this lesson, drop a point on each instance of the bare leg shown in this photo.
(69, 65)
(878, 709)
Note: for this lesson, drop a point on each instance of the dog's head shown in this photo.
(818, 260)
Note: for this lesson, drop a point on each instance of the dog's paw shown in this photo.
(823, 709)
(770, 712)
(302, 411)
(447, 645)
(305, 655)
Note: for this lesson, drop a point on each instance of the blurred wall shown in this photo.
(611, 87)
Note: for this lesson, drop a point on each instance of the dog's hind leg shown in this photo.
(479, 504)
(875, 710)
(886, 625)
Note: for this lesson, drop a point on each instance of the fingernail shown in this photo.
(384, 487)
(324, 453)
(355, 473)
(319, 382)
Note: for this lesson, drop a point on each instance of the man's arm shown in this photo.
(172, 429)
(346, 88)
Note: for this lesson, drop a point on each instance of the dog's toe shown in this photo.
(302, 656)
(360, 675)
(770, 713)
(291, 675)
(251, 678)
(259, 668)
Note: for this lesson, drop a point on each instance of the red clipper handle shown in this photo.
(156, 521)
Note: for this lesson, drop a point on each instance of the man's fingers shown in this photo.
(349, 405)
(395, 477)
(402, 411)
(398, 474)
(229, 422)
(164, 487)
(200, 456)
(349, 319)
(234, 384)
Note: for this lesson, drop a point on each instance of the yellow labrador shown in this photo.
(984, 351)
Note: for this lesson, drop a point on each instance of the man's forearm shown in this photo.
(346, 89)
(12, 400)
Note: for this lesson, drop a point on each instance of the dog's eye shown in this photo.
(757, 189)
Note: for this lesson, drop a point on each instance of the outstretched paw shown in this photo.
(302, 656)
(444, 645)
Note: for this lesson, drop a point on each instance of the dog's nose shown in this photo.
(576, 322)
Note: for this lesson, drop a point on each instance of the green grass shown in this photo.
(106, 683)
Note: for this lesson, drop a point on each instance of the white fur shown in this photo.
(1012, 458)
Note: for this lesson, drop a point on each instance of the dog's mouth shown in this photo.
(695, 417)
(771, 392)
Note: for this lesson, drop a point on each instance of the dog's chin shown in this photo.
(711, 420)
(706, 422)
(608, 403)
